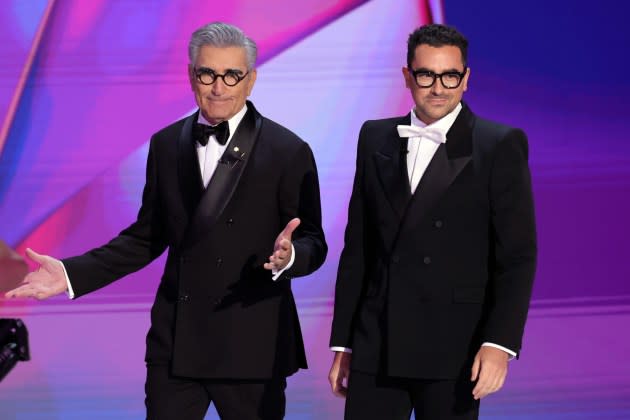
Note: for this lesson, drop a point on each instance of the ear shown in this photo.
(408, 77)
(252, 80)
(465, 81)
(191, 77)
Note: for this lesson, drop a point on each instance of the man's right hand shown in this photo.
(339, 373)
(48, 280)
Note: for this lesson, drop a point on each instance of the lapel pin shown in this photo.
(236, 149)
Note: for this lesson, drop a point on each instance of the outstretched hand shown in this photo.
(282, 247)
(48, 280)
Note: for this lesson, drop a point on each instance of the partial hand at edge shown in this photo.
(282, 247)
(48, 280)
(489, 370)
(339, 374)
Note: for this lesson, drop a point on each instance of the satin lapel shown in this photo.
(227, 175)
(391, 166)
(189, 174)
(446, 165)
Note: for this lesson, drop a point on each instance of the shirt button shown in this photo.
(230, 222)
(395, 259)
(427, 260)
(219, 262)
(438, 224)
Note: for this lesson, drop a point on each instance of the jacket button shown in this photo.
(217, 301)
(184, 298)
(182, 260)
(219, 262)
(395, 259)
(427, 260)
(438, 224)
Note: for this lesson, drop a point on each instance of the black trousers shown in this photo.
(374, 397)
(174, 398)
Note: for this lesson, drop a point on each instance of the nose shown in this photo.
(218, 87)
(437, 88)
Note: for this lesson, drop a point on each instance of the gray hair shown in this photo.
(219, 34)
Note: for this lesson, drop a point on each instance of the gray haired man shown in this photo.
(234, 199)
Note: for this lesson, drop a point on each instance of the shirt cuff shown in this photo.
(343, 349)
(65, 273)
(275, 275)
(496, 346)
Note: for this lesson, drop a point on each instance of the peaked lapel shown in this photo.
(226, 176)
(391, 166)
(449, 160)
(188, 172)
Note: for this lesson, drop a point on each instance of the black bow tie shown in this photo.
(202, 133)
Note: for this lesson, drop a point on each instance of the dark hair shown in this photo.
(436, 35)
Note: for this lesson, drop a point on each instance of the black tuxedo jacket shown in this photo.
(217, 312)
(423, 280)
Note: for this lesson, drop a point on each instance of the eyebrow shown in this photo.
(451, 70)
(208, 69)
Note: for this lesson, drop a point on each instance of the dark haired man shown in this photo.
(234, 197)
(436, 273)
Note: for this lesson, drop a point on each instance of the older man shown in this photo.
(234, 197)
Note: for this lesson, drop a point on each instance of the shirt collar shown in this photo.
(232, 122)
(443, 124)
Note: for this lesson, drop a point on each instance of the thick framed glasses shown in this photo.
(207, 76)
(449, 79)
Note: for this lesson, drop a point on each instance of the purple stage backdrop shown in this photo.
(84, 84)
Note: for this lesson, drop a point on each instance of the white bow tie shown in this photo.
(430, 133)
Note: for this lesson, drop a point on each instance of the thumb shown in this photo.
(475, 368)
(34, 256)
(290, 228)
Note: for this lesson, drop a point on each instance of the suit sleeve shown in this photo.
(350, 274)
(299, 197)
(514, 238)
(132, 249)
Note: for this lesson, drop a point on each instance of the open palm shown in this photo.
(48, 280)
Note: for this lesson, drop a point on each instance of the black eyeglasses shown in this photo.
(207, 76)
(449, 79)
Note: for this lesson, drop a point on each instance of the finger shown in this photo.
(482, 384)
(338, 388)
(500, 382)
(289, 228)
(34, 256)
(280, 255)
(21, 292)
(341, 392)
(497, 381)
(479, 391)
(285, 245)
(475, 368)
(488, 381)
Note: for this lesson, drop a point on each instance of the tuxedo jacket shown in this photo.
(217, 313)
(425, 279)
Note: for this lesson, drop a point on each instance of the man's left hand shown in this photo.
(282, 247)
(489, 370)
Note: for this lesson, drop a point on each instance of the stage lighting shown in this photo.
(13, 344)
